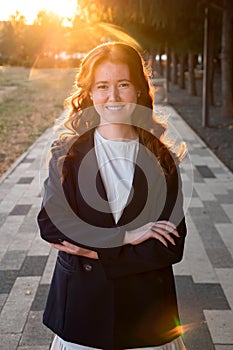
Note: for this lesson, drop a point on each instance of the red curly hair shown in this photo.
(81, 118)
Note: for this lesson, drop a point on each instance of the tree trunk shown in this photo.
(181, 71)
(160, 63)
(212, 36)
(168, 66)
(227, 63)
(174, 67)
(153, 63)
(192, 80)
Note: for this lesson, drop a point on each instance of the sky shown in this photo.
(30, 8)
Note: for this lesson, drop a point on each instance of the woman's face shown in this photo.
(114, 95)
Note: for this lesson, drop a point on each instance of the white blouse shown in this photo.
(116, 160)
(60, 344)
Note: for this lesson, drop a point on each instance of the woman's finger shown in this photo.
(148, 234)
(164, 234)
(167, 228)
(167, 223)
(160, 238)
(60, 247)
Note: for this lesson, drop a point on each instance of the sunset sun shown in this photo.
(61, 8)
(30, 9)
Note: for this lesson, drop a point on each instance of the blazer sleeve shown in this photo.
(57, 221)
(151, 254)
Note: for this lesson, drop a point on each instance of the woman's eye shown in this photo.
(124, 85)
(102, 87)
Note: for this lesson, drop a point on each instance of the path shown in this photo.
(204, 278)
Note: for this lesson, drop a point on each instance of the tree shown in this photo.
(227, 60)
(12, 38)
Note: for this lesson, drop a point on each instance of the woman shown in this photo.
(113, 209)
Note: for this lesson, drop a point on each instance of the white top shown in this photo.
(60, 344)
(116, 160)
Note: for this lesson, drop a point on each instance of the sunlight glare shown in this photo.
(61, 8)
(29, 9)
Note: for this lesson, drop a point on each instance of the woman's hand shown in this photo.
(160, 230)
(69, 248)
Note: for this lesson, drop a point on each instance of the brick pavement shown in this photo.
(204, 278)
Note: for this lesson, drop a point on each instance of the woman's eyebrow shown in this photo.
(106, 82)
(101, 82)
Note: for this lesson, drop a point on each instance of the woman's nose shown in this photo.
(114, 94)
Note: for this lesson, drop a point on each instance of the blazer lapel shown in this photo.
(93, 200)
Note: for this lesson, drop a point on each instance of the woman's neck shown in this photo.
(117, 131)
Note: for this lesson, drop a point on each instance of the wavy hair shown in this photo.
(82, 117)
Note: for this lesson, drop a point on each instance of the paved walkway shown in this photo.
(204, 277)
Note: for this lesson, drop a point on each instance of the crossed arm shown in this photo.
(161, 230)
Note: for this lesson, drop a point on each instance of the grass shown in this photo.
(30, 101)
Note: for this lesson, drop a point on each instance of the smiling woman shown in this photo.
(62, 8)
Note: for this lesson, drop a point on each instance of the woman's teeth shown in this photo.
(114, 108)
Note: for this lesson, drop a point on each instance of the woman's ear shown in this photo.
(90, 94)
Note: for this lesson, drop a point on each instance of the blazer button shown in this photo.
(87, 267)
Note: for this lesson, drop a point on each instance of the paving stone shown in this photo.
(224, 199)
(9, 341)
(28, 160)
(15, 311)
(226, 233)
(7, 205)
(20, 209)
(200, 151)
(42, 347)
(33, 266)
(228, 208)
(39, 247)
(205, 171)
(203, 192)
(25, 180)
(196, 203)
(211, 161)
(196, 333)
(3, 217)
(13, 260)
(35, 333)
(29, 226)
(9, 230)
(225, 277)
(215, 212)
(217, 187)
(49, 267)
(22, 241)
(220, 325)
(3, 298)
(30, 199)
(224, 347)
(40, 298)
(217, 252)
(197, 177)
(196, 262)
(5, 188)
(7, 280)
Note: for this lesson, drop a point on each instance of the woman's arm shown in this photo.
(160, 230)
(162, 247)
(134, 252)
(58, 222)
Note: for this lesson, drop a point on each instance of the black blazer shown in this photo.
(127, 298)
